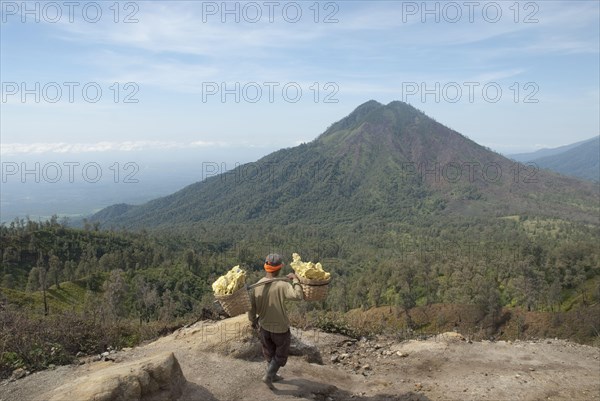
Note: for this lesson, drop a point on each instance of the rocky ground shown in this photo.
(221, 361)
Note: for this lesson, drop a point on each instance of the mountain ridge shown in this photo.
(582, 161)
(545, 152)
(389, 161)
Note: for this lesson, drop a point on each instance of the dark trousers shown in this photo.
(276, 345)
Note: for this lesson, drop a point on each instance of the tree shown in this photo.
(91, 306)
(528, 284)
(190, 258)
(407, 292)
(69, 270)
(579, 278)
(33, 279)
(8, 281)
(43, 278)
(554, 295)
(169, 306)
(488, 299)
(105, 263)
(147, 299)
(11, 257)
(115, 294)
(374, 292)
(337, 298)
(54, 272)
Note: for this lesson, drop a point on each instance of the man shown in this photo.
(269, 314)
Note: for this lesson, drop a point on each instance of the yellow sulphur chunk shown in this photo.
(308, 270)
(230, 282)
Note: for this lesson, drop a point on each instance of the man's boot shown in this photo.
(272, 369)
(276, 378)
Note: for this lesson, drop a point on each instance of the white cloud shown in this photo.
(104, 146)
(178, 28)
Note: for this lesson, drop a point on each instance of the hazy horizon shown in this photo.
(132, 177)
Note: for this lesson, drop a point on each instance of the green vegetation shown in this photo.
(66, 291)
(498, 258)
(122, 287)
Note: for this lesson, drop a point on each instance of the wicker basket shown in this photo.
(236, 303)
(314, 290)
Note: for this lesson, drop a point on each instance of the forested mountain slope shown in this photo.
(388, 162)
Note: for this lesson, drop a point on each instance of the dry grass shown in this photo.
(581, 324)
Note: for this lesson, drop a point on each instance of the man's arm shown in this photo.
(294, 291)
(252, 313)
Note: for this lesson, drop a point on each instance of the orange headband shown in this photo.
(273, 269)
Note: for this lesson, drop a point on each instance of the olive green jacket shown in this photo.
(268, 302)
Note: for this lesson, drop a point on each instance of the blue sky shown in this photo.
(179, 56)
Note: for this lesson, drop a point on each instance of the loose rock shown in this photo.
(18, 374)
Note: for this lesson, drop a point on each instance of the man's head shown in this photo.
(273, 263)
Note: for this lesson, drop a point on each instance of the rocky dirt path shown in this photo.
(221, 361)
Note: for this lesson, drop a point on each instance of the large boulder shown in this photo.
(235, 338)
(151, 379)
